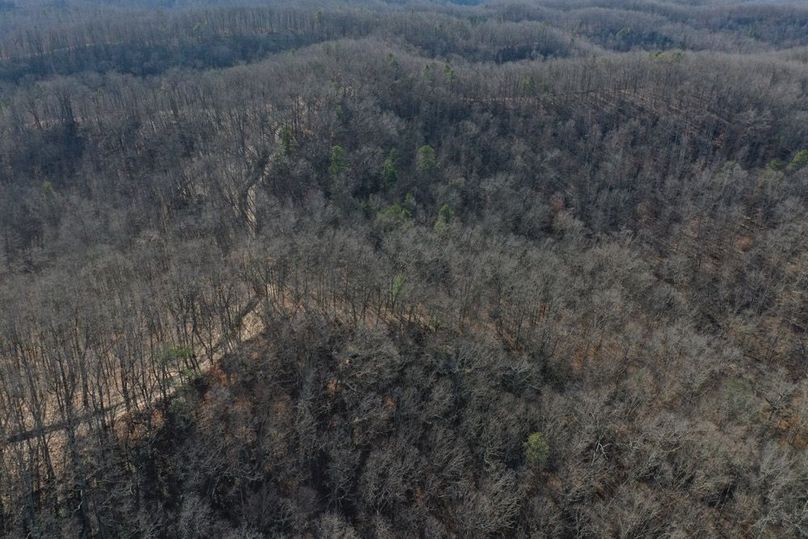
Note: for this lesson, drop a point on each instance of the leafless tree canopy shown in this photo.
(403, 268)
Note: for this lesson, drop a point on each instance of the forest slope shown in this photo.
(522, 269)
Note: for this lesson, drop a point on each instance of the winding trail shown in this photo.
(247, 326)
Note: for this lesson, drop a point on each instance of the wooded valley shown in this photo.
(406, 268)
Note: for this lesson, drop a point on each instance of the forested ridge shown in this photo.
(403, 268)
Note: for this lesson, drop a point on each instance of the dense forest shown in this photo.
(516, 268)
